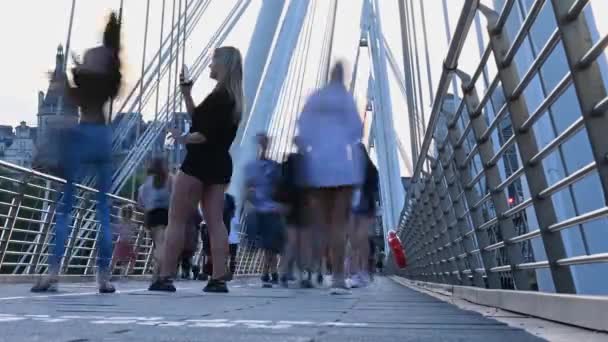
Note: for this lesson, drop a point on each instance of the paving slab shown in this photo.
(385, 311)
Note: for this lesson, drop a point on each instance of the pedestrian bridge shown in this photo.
(504, 206)
(393, 308)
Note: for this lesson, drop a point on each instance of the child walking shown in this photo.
(124, 252)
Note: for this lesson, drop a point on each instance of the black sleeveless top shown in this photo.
(210, 161)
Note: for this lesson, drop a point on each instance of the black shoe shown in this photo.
(266, 278)
(320, 278)
(306, 284)
(195, 272)
(46, 284)
(107, 288)
(275, 278)
(216, 286)
(227, 277)
(162, 285)
(284, 281)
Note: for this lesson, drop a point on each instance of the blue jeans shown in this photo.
(86, 148)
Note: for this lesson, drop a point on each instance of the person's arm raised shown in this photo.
(186, 89)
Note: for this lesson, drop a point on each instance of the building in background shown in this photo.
(54, 108)
(6, 138)
(18, 147)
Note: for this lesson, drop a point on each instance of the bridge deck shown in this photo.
(385, 311)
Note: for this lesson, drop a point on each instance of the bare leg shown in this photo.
(158, 235)
(338, 220)
(213, 207)
(184, 199)
(290, 250)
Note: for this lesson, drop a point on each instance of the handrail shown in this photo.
(469, 10)
(496, 212)
(28, 202)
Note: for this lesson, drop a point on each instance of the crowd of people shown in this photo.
(312, 213)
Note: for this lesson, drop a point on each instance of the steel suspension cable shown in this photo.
(278, 113)
(288, 94)
(162, 29)
(420, 116)
(136, 155)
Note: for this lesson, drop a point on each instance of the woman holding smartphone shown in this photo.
(207, 168)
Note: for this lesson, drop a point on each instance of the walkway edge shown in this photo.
(24, 279)
(590, 312)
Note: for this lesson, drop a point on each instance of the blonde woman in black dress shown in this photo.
(207, 168)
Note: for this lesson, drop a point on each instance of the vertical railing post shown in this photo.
(78, 222)
(149, 254)
(444, 230)
(456, 231)
(423, 264)
(582, 57)
(13, 215)
(43, 236)
(413, 230)
(93, 251)
(133, 263)
(459, 213)
(431, 246)
(528, 148)
(465, 176)
(486, 152)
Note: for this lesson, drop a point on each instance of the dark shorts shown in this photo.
(372, 247)
(156, 217)
(217, 171)
(270, 231)
(299, 213)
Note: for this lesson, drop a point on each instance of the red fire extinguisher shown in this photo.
(398, 253)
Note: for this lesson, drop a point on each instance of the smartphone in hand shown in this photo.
(184, 76)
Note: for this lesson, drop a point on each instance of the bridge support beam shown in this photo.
(525, 139)
(582, 57)
(458, 214)
(385, 141)
(428, 228)
(445, 229)
(465, 176)
(485, 148)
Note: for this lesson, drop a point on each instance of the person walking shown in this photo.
(329, 129)
(97, 79)
(262, 181)
(125, 250)
(153, 198)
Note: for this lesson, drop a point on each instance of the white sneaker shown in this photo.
(356, 282)
(339, 291)
(364, 279)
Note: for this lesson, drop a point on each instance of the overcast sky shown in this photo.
(32, 29)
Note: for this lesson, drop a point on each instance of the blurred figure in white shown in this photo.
(364, 217)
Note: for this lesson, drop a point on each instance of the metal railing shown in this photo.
(28, 200)
(481, 210)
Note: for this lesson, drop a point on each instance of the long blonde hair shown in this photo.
(232, 80)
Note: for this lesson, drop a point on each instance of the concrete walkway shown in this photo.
(383, 312)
